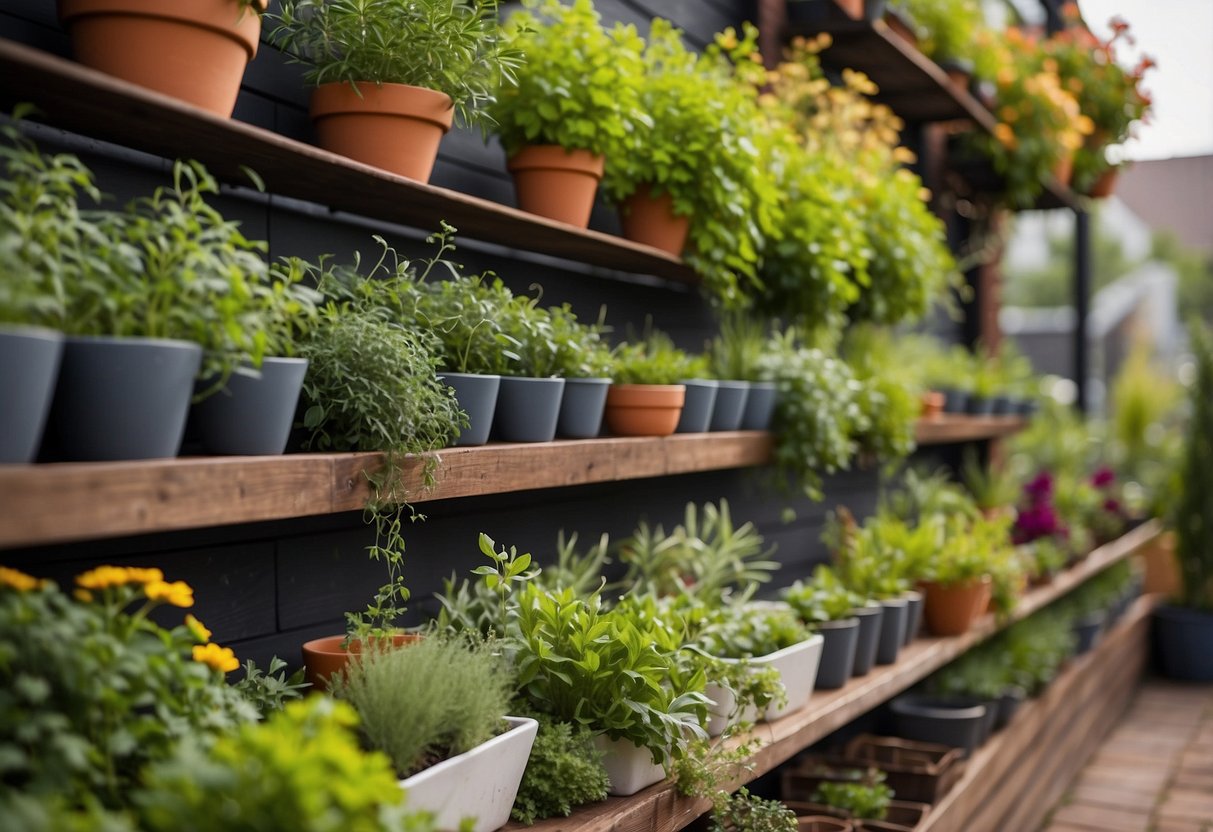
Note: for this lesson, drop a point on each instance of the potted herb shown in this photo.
(528, 404)
(390, 75)
(161, 44)
(647, 395)
(946, 720)
(584, 360)
(457, 752)
(699, 407)
(1184, 627)
(827, 605)
(958, 588)
(556, 152)
(739, 355)
(981, 675)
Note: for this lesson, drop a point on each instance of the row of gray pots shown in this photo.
(963, 722)
(961, 401)
(129, 398)
(518, 409)
(874, 634)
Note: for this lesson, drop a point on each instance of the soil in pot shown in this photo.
(252, 415)
(582, 407)
(731, 398)
(644, 409)
(951, 609)
(945, 721)
(698, 406)
(123, 398)
(759, 406)
(556, 183)
(477, 397)
(651, 220)
(840, 641)
(192, 50)
(870, 620)
(322, 657)
(394, 127)
(913, 615)
(29, 367)
(528, 409)
(1183, 643)
(892, 629)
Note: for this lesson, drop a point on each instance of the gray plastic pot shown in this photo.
(123, 398)
(913, 615)
(477, 397)
(581, 407)
(870, 619)
(892, 629)
(840, 639)
(979, 405)
(759, 406)
(251, 415)
(1087, 630)
(1183, 643)
(528, 409)
(29, 365)
(950, 721)
(1002, 405)
(954, 400)
(698, 406)
(1008, 704)
(730, 405)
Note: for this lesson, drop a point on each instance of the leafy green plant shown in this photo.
(269, 690)
(655, 360)
(994, 487)
(742, 631)
(737, 352)
(455, 694)
(452, 46)
(1035, 648)
(867, 799)
(889, 398)
(1193, 517)
(945, 28)
(1144, 428)
(577, 86)
(744, 812)
(924, 494)
(965, 555)
(608, 671)
(824, 598)
(982, 674)
(301, 769)
(564, 770)
(706, 557)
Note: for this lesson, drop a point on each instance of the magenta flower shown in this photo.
(1103, 478)
(1040, 489)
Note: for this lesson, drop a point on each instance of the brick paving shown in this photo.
(1154, 772)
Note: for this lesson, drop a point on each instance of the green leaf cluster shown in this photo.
(654, 360)
(1193, 517)
(577, 84)
(428, 701)
(744, 812)
(823, 598)
(453, 46)
(867, 799)
(738, 352)
(946, 29)
(746, 631)
(889, 399)
(269, 690)
(564, 770)
(1035, 649)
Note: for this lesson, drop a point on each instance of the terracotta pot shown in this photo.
(1063, 172)
(322, 657)
(651, 220)
(194, 50)
(950, 609)
(556, 183)
(932, 404)
(395, 127)
(644, 409)
(1105, 185)
(1162, 572)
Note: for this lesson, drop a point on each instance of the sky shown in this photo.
(1178, 34)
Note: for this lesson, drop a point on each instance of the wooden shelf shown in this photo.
(660, 808)
(910, 83)
(92, 103)
(61, 502)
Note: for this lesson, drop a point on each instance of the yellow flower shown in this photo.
(83, 596)
(197, 629)
(904, 155)
(218, 658)
(1008, 113)
(104, 577)
(1084, 124)
(177, 593)
(728, 39)
(1005, 76)
(18, 580)
(1005, 134)
(144, 576)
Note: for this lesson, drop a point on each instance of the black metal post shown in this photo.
(1082, 303)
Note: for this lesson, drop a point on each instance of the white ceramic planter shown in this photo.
(629, 767)
(797, 666)
(481, 783)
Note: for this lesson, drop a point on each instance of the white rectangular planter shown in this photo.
(481, 783)
(629, 767)
(797, 666)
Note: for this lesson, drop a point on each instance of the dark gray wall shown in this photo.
(267, 587)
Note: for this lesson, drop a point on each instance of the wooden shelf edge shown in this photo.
(660, 808)
(83, 100)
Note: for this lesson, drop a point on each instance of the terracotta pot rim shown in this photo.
(969, 583)
(244, 30)
(555, 157)
(655, 388)
(339, 98)
(331, 645)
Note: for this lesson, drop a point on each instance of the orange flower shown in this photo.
(217, 658)
(83, 596)
(1006, 135)
(15, 579)
(197, 629)
(177, 593)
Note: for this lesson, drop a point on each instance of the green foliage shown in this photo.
(824, 598)
(865, 565)
(92, 691)
(488, 606)
(578, 84)
(578, 571)
(888, 400)
(736, 354)
(428, 701)
(965, 554)
(452, 46)
(50, 813)
(742, 631)
(868, 799)
(269, 690)
(564, 771)
(743, 812)
(552, 342)
(609, 671)
(992, 486)
(981, 673)
(302, 769)
(1144, 429)
(655, 360)
(921, 495)
(1035, 648)
(705, 557)
(1193, 516)
(945, 28)
(893, 553)
(1049, 557)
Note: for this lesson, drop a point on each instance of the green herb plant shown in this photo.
(564, 771)
(654, 360)
(823, 598)
(1193, 516)
(737, 353)
(745, 812)
(994, 487)
(452, 46)
(888, 398)
(868, 799)
(269, 690)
